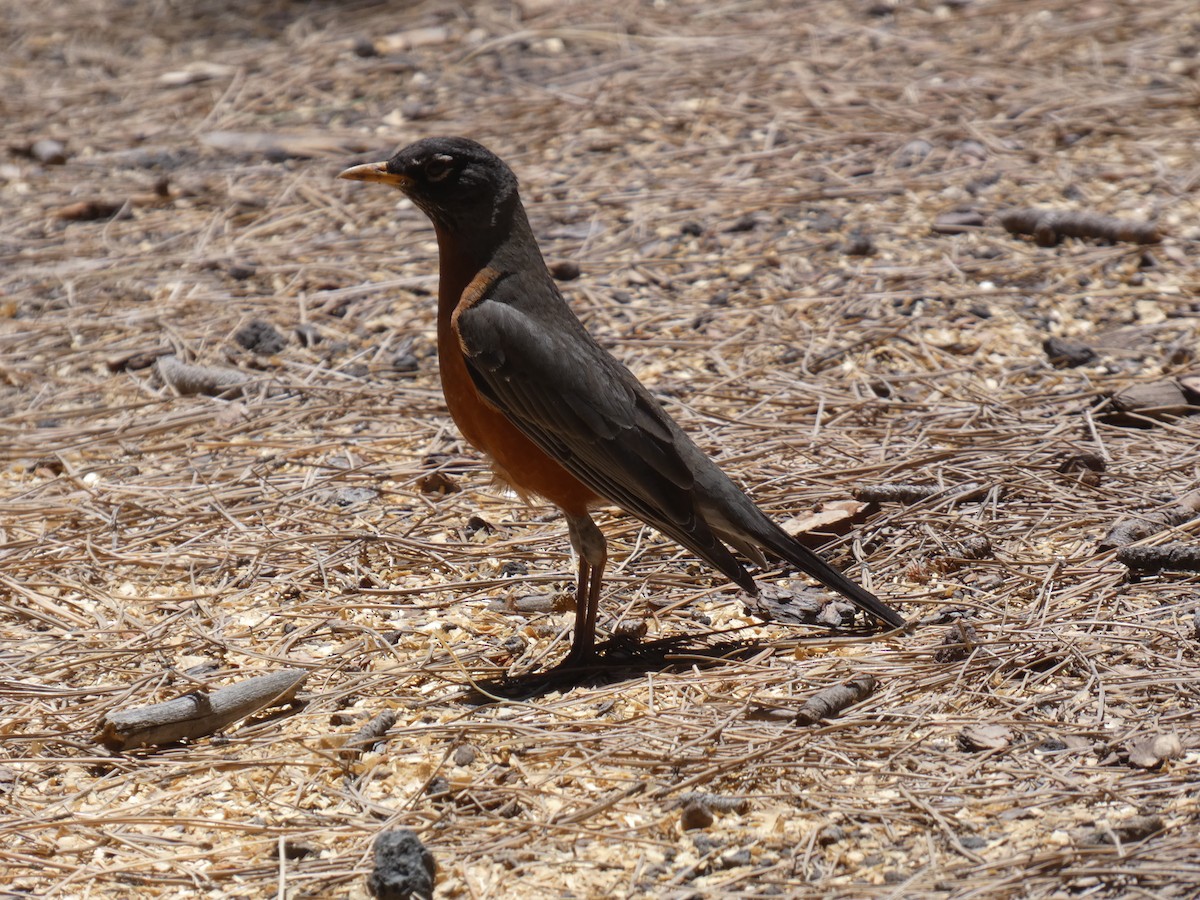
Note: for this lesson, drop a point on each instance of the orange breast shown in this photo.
(515, 459)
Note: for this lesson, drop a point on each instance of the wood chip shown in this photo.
(199, 713)
(1151, 751)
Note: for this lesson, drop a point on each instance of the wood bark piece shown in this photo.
(832, 701)
(1048, 226)
(368, 735)
(213, 381)
(199, 713)
(1135, 828)
(1157, 400)
(1129, 530)
(1176, 557)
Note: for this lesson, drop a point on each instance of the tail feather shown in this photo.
(783, 545)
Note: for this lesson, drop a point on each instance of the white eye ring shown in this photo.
(438, 166)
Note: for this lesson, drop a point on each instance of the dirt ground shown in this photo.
(760, 202)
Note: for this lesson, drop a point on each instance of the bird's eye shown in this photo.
(438, 166)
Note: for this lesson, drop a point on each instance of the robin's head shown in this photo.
(456, 182)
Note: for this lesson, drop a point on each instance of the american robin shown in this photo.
(555, 413)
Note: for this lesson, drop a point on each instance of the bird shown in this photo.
(557, 415)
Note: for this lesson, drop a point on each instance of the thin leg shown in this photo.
(589, 544)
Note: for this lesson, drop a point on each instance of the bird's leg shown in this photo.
(589, 544)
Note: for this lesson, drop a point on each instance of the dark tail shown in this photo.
(783, 545)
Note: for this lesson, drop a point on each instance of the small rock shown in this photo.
(565, 270)
(297, 849)
(748, 222)
(824, 221)
(478, 525)
(437, 483)
(1068, 354)
(835, 614)
(49, 152)
(972, 149)
(859, 244)
(735, 859)
(364, 47)
(1083, 461)
(1135, 828)
(464, 755)
(348, 496)
(695, 815)
(830, 834)
(259, 336)
(240, 271)
(957, 644)
(404, 867)
(514, 645)
(912, 153)
(91, 210)
(513, 568)
(404, 360)
(1157, 400)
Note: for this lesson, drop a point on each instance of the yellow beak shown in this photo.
(376, 172)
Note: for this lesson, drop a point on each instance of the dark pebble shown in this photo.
(404, 867)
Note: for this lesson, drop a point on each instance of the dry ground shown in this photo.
(748, 191)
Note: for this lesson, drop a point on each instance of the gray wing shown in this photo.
(586, 410)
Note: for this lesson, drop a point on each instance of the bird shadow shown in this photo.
(620, 658)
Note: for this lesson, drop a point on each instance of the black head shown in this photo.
(457, 182)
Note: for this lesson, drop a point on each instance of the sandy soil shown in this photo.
(757, 201)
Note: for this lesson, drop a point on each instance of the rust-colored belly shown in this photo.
(516, 460)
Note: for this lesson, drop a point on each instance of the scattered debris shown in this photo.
(49, 152)
(831, 518)
(799, 605)
(1126, 831)
(199, 71)
(136, 360)
(1086, 466)
(438, 483)
(915, 493)
(278, 146)
(259, 336)
(957, 644)
(695, 814)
